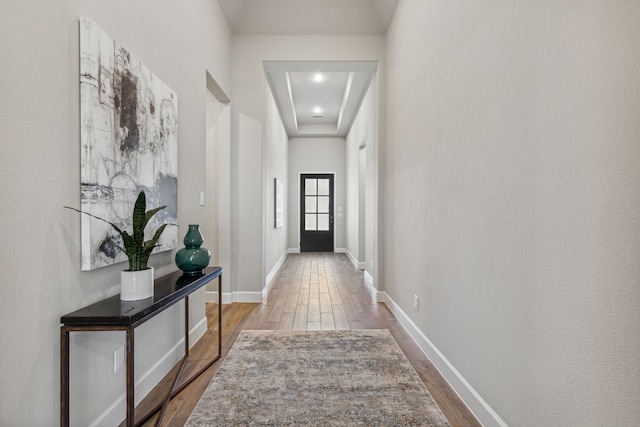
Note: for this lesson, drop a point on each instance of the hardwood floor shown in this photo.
(312, 291)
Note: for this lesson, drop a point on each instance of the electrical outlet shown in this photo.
(416, 302)
(118, 359)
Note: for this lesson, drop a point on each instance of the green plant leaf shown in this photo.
(149, 245)
(139, 218)
(138, 251)
(152, 212)
(96, 217)
(130, 248)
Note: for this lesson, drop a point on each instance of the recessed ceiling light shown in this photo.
(317, 77)
(317, 110)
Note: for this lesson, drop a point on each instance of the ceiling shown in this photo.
(311, 108)
(295, 17)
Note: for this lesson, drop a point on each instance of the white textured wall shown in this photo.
(512, 169)
(39, 173)
(317, 155)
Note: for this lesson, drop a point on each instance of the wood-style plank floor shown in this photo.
(312, 291)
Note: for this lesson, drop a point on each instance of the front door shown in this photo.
(316, 213)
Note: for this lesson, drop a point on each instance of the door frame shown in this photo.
(298, 191)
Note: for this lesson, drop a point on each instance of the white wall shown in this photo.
(362, 173)
(39, 173)
(512, 169)
(247, 209)
(317, 155)
(218, 189)
(249, 152)
(276, 166)
(353, 210)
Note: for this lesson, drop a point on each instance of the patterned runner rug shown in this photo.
(316, 378)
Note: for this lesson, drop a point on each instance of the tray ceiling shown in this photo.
(319, 98)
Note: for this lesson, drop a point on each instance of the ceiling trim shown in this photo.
(294, 117)
(320, 66)
(345, 98)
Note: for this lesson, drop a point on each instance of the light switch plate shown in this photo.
(118, 359)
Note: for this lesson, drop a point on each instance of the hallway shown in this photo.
(315, 291)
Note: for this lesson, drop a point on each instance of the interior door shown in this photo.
(316, 213)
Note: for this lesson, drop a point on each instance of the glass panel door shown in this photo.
(316, 216)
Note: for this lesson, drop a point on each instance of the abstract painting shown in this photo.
(279, 203)
(129, 143)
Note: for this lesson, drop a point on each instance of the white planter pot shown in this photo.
(135, 285)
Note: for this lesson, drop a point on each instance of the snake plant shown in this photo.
(138, 251)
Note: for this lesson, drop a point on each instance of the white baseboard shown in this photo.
(293, 250)
(368, 278)
(272, 274)
(247, 297)
(231, 297)
(354, 261)
(227, 297)
(368, 282)
(478, 406)
(149, 379)
(275, 269)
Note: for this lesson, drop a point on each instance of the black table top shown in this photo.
(168, 290)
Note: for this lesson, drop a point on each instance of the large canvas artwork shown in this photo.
(129, 140)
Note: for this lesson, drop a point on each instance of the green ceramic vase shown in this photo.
(192, 259)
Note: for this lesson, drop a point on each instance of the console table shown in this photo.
(113, 314)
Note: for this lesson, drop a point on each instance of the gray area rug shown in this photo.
(316, 378)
